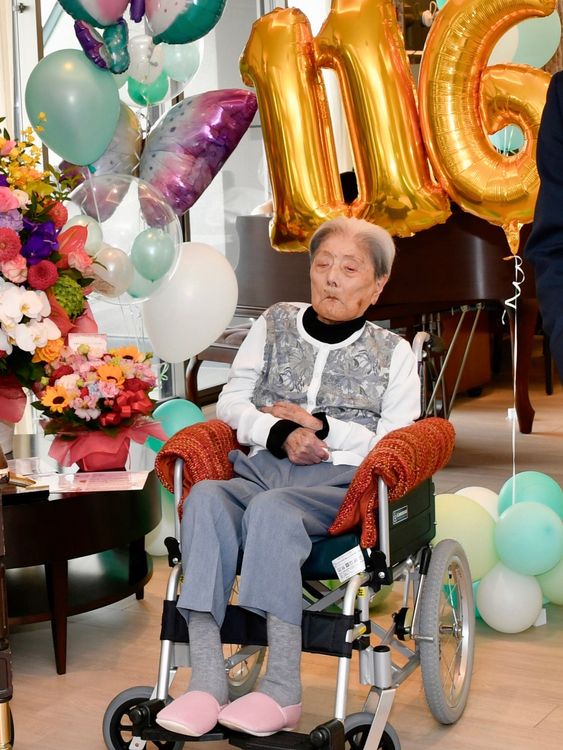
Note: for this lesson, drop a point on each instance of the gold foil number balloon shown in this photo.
(279, 61)
(362, 42)
(461, 101)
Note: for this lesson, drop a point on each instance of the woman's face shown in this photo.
(343, 283)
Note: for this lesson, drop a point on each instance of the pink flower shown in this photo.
(7, 147)
(8, 200)
(42, 275)
(10, 244)
(15, 270)
(107, 389)
(80, 260)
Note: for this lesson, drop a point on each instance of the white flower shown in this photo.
(45, 304)
(69, 382)
(31, 303)
(5, 345)
(10, 308)
(23, 198)
(29, 336)
(15, 302)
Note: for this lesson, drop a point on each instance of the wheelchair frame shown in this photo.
(427, 575)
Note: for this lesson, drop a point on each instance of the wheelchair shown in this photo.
(434, 628)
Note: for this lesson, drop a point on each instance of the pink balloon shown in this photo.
(190, 144)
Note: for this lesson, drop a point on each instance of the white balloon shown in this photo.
(146, 59)
(508, 601)
(486, 498)
(194, 307)
(112, 271)
(94, 241)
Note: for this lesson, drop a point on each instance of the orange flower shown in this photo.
(55, 398)
(128, 352)
(111, 374)
(50, 352)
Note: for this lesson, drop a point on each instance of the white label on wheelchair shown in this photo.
(350, 563)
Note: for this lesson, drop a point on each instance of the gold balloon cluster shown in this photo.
(409, 160)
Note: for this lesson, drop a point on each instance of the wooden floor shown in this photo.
(516, 699)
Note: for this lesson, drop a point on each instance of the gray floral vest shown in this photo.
(353, 380)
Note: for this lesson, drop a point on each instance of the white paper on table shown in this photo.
(97, 481)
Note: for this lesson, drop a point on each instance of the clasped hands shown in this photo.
(302, 446)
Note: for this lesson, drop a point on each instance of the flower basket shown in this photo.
(100, 451)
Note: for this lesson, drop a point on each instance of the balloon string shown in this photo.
(93, 192)
(512, 302)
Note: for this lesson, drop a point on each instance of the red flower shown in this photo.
(42, 275)
(10, 244)
(58, 215)
(136, 384)
(59, 372)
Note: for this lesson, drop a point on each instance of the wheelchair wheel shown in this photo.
(447, 613)
(242, 676)
(356, 730)
(117, 728)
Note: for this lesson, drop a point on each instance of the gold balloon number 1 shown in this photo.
(460, 101)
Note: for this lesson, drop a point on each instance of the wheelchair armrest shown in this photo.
(204, 449)
(402, 459)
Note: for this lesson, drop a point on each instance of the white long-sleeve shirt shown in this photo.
(369, 380)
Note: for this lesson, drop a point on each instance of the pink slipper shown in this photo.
(193, 714)
(260, 715)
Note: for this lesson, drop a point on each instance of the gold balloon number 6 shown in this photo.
(460, 101)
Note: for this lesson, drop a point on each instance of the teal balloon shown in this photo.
(186, 21)
(80, 102)
(509, 140)
(535, 487)
(529, 538)
(140, 288)
(174, 415)
(182, 61)
(153, 253)
(116, 38)
(538, 40)
(148, 93)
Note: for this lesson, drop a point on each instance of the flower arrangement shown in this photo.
(43, 269)
(88, 390)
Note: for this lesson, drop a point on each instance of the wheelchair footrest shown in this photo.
(328, 736)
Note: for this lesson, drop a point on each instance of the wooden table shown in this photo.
(72, 553)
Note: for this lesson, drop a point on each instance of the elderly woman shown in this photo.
(311, 391)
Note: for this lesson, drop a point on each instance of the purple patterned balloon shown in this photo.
(190, 144)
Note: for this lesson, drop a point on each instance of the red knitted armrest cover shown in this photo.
(403, 459)
(204, 447)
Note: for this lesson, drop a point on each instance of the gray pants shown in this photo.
(270, 509)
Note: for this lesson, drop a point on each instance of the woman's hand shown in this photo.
(303, 447)
(287, 410)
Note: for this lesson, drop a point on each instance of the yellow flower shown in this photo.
(111, 374)
(55, 398)
(39, 128)
(42, 116)
(49, 352)
(128, 352)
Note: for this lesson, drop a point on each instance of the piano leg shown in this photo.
(527, 316)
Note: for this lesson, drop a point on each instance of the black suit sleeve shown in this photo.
(544, 249)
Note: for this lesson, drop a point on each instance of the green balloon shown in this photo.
(532, 486)
(174, 415)
(181, 61)
(529, 538)
(152, 253)
(78, 103)
(195, 21)
(147, 94)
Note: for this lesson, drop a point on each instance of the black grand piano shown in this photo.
(459, 262)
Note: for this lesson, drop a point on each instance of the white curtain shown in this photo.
(6, 65)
